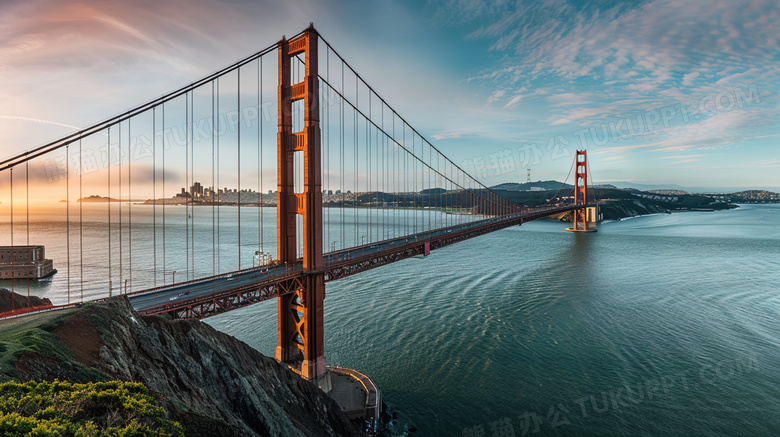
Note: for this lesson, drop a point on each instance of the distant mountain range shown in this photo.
(531, 186)
(692, 189)
(555, 185)
(540, 186)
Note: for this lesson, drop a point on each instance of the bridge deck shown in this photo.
(217, 294)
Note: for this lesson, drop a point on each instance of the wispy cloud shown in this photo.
(450, 135)
(684, 161)
(719, 130)
(35, 120)
(668, 50)
(685, 156)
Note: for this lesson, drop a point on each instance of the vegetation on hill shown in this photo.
(617, 204)
(527, 186)
(60, 408)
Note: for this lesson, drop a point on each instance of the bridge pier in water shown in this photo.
(584, 215)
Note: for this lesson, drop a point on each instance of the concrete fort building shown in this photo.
(24, 262)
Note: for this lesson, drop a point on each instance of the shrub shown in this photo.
(113, 408)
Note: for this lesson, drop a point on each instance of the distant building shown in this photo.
(196, 190)
(24, 262)
(183, 193)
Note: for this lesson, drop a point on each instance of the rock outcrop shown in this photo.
(623, 208)
(212, 383)
(14, 301)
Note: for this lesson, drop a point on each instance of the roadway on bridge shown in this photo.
(193, 290)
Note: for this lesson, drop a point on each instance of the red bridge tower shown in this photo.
(301, 340)
(580, 222)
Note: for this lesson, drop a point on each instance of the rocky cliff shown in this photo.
(617, 209)
(622, 208)
(212, 383)
(14, 301)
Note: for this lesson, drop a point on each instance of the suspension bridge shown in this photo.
(264, 180)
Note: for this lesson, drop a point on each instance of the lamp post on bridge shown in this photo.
(173, 273)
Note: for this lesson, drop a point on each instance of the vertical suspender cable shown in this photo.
(384, 175)
(260, 121)
(406, 182)
(190, 126)
(27, 205)
(238, 162)
(67, 210)
(397, 182)
(327, 148)
(110, 273)
(460, 198)
(355, 163)
(187, 183)
(129, 205)
(414, 188)
(190, 185)
(341, 169)
(81, 226)
(430, 187)
(154, 194)
(442, 192)
(259, 167)
(119, 154)
(407, 186)
(213, 187)
(165, 200)
(13, 252)
(219, 199)
(368, 165)
(394, 216)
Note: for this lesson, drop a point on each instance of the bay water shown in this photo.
(663, 325)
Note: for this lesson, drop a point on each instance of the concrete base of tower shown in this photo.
(324, 381)
(313, 369)
(582, 230)
(356, 394)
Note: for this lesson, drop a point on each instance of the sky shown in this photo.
(660, 92)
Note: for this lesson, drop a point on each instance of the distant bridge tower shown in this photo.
(529, 175)
(580, 222)
(301, 339)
